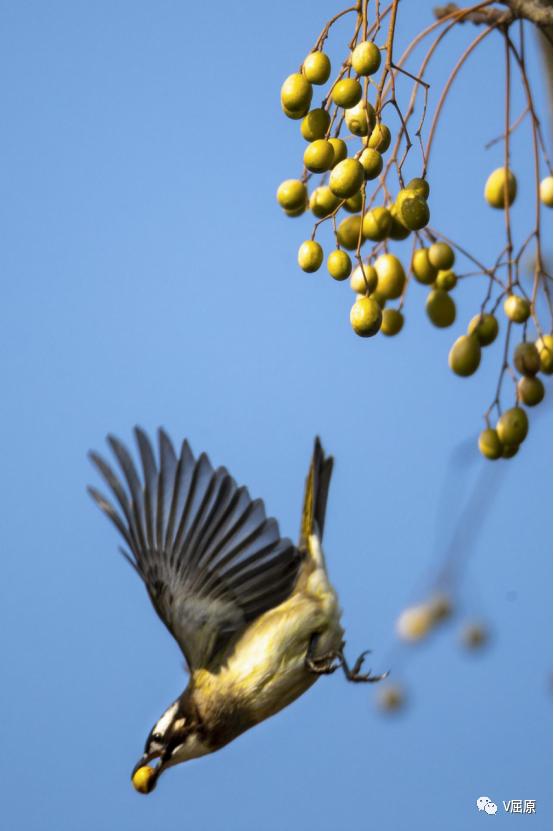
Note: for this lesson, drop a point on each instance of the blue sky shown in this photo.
(150, 278)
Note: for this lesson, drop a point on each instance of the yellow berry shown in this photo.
(499, 181)
(517, 308)
(446, 280)
(310, 256)
(421, 266)
(485, 326)
(392, 323)
(354, 204)
(440, 308)
(512, 426)
(440, 607)
(365, 317)
(339, 265)
(360, 119)
(292, 194)
(364, 282)
(318, 156)
(372, 162)
(391, 276)
(323, 201)
(317, 68)
(527, 359)
(414, 623)
(366, 58)
(346, 178)
(441, 256)
(490, 445)
(295, 211)
(346, 93)
(530, 391)
(412, 210)
(340, 150)
(379, 138)
(398, 230)
(474, 636)
(144, 779)
(376, 224)
(545, 346)
(465, 355)
(391, 698)
(296, 94)
(315, 124)
(509, 450)
(420, 186)
(348, 232)
(546, 191)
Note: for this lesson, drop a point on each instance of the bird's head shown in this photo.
(173, 739)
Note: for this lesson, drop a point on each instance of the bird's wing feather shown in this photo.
(210, 558)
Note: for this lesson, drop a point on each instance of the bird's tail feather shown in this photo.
(315, 495)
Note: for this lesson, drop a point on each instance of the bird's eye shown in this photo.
(157, 737)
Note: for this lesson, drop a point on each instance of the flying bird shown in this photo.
(255, 616)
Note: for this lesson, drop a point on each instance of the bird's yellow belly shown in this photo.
(267, 670)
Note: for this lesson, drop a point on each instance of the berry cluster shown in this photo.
(348, 145)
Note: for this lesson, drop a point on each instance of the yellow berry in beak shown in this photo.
(144, 779)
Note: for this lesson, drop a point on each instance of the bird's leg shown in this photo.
(354, 674)
(322, 664)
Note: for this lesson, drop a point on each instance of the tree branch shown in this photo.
(538, 12)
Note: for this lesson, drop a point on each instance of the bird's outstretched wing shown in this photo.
(315, 495)
(210, 558)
